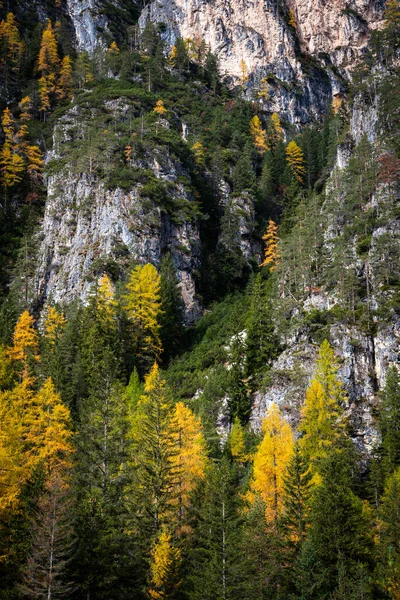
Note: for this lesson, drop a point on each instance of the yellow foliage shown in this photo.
(25, 342)
(25, 107)
(190, 459)
(295, 159)
(292, 19)
(270, 461)
(244, 72)
(172, 55)
(64, 87)
(277, 131)
(48, 60)
(54, 325)
(263, 91)
(271, 246)
(336, 103)
(164, 567)
(35, 161)
(105, 300)
(8, 124)
(322, 416)
(11, 166)
(237, 441)
(259, 135)
(10, 41)
(113, 49)
(160, 108)
(143, 307)
(199, 154)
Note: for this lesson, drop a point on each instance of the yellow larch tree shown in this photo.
(12, 166)
(322, 421)
(11, 44)
(199, 153)
(276, 129)
(113, 49)
(190, 459)
(54, 325)
(14, 470)
(270, 461)
(64, 85)
(35, 162)
(259, 135)
(48, 67)
(25, 348)
(263, 90)
(292, 19)
(164, 568)
(49, 434)
(160, 109)
(295, 159)
(271, 240)
(244, 72)
(237, 443)
(105, 300)
(143, 307)
(8, 125)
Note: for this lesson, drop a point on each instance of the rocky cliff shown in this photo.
(305, 50)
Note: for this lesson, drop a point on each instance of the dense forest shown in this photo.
(130, 466)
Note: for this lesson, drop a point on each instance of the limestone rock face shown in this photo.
(89, 228)
(87, 21)
(304, 48)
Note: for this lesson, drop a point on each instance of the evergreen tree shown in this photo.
(388, 548)
(171, 303)
(261, 342)
(215, 565)
(339, 539)
(389, 421)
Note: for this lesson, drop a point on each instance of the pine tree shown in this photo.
(389, 421)
(339, 538)
(261, 342)
(143, 307)
(270, 461)
(244, 177)
(295, 159)
(271, 246)
(172, 308)
(388, 548)
(215, 561)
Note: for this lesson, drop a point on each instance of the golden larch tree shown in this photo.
(322, 422)
(35, 162)
(54, 325)
(25, 348)
(65, 85)
(259, 135)
(271, 240)
(190, 459)
(237, 443)
(143, 306)
(295, 159)
(164, 568)
(270, 461)
(199, 153)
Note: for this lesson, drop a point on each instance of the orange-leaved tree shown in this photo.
(271, 240)
(295, 159)
(259, 135)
